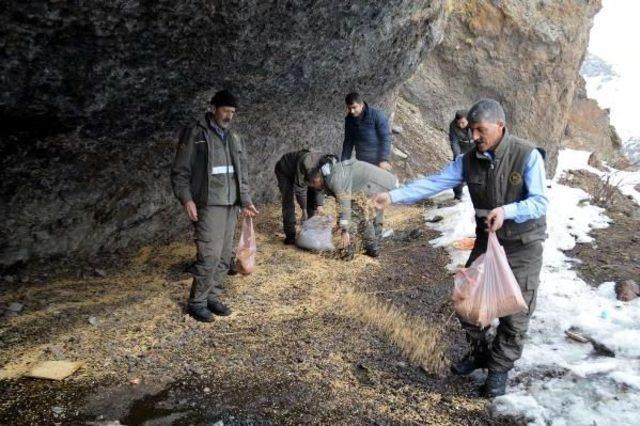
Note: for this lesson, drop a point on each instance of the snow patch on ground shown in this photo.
(458, 222)
(570, 159)
(559, 381)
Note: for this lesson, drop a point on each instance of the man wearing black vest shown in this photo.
(210, 179)
(506, 180)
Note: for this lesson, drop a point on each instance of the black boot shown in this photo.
(372, 250)
(191, 268)
(290, 240)
(372, 247)
(348, 253)
(200, 313)
(233, 269)
(495, 385)
(218, 308)
(470, 363)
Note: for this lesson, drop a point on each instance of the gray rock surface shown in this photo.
(426, 147)
(15, 307)
(589, 128)
(94, 92)
(523, 53)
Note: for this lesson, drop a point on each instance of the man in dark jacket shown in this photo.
(461, 141)
(507, 185)
(367, 130)
(292, 172)
(209, 178)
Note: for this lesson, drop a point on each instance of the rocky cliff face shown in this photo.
(523, 53)
(588, 127)
(91, 94)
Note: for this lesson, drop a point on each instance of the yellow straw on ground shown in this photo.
(421, 343)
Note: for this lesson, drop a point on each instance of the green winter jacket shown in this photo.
(191, 170)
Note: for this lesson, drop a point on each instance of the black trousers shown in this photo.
(287, 192)
(457, 191)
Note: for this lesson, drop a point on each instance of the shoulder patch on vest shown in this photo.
(515, 178)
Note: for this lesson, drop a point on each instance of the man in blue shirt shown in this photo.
(506, 181)
(367, 130)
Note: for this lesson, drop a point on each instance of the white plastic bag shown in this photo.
(487, 289)
(316, 234)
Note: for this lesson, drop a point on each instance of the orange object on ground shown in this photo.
(464, 244)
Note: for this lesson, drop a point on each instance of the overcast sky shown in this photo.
(615, 36)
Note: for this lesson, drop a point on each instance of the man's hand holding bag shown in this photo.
(487, 289)
(246, 251)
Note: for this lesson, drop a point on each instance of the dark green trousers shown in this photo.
(289, 197)
(214, 233)
(506, 347)
(367, 226)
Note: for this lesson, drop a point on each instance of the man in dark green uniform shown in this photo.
(209, 178)
(461, 142)
(346, 180)
(506, 180)
(292, 172)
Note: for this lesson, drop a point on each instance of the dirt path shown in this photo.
(313, 340)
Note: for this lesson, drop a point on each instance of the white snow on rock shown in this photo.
(570, 159)
(559, 381)
(521, 407)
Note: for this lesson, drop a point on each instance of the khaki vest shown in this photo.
(494, 183)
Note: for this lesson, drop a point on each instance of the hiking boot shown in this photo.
(348, 253)
(290, 240)
(470, 363)
(495, 385)
(200, 313)
(191, 268)
(218, 308)
(233, 270)
(372, 251)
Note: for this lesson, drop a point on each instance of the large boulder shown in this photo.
(92, 93)
(589, 127)
(425, 147)
(525, 54)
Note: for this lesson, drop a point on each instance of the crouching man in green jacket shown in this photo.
(209, 178)
(346, 180)
(292, 171)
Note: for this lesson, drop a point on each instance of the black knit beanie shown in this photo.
(461, 113)
(224, 98)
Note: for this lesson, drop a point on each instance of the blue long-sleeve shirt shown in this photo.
(369, 134)
(532, 207)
